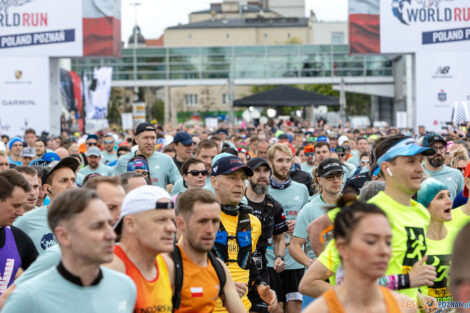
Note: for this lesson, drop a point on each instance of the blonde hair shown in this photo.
(278, 147)
(459, 154)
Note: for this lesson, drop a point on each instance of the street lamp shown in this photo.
(136, 90)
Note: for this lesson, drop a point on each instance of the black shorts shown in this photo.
(286, 284)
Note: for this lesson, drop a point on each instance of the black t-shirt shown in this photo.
(24, 244)
(178, 164)
(272, 218)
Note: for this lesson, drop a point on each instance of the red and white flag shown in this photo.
(196, 292)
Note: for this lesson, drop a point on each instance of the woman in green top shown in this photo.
(435, 196)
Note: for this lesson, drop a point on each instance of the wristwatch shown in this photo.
(280, 256)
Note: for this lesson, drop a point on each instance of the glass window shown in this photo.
(190, 100)
(337, 38)
(225, 98)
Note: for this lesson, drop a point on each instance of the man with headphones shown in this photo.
(239, 230)
(400, 161)
(58, 176)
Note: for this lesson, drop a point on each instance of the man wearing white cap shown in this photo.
(93, 156)
(147, 229)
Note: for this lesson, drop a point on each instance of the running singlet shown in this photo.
(10, 260)
(334, 304)
(152, 296)
(201, 287)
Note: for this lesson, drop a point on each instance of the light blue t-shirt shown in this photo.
(17, 163)
(108, 158)
(348, 169)
(163, 170)
(102, 169)
(307, 168)
(450, 177)
(313, 209)
(34, 224)
(49, 292)
(179, 187)
(50, 258)
(292, 200)
(354, 160)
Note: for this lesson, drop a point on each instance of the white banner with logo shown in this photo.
(41, 28)
(442, 89)
(424, 25)
(24, 95)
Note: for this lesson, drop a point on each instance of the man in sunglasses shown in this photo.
(108, 155)
(329, 177)
(348, 168)
(309, 164)
(434, 165)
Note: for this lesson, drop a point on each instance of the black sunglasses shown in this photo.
(196, 173)
(92, 143)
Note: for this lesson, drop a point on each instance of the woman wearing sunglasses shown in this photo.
(194, 173)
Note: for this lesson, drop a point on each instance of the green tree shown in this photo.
(114, 105)
(156, 111)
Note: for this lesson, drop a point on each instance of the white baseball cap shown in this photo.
(142, 199)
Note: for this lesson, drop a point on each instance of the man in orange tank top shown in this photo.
(147, 229)
(198, 219)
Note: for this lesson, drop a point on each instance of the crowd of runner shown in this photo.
(276, 218)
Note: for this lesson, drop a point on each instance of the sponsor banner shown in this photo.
(102, 28)
(24, 96)
(364, 26)
(442, 89)
(41, 28)
(424, 25)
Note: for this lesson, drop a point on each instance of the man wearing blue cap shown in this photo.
(435, 168)
(163, 170)
(16, 147)
(399, 160)
(184, 146)
(239, 230)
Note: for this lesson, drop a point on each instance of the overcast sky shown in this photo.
(153, 16)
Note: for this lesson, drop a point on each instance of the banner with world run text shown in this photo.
(424, 25)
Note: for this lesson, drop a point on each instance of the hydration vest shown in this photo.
(243, 238)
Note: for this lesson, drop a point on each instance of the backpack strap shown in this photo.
(219, 269)
(178, 261)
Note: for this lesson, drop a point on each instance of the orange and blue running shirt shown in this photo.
(154, 295)
(201, 286)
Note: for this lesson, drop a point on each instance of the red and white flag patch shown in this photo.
(196, 292)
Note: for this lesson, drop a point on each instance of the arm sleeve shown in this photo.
(19, 301)
(120, 168)
(25, 246)
(50, 258)
(301, 224)
(280, 224)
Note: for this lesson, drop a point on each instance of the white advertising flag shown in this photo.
(442, 88)
(25, 95)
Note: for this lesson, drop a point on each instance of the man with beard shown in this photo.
(202, 284)
(434, 165)
(292, 196)
(273, 226)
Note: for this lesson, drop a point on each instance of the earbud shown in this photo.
(389, 171)
(49, 191)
